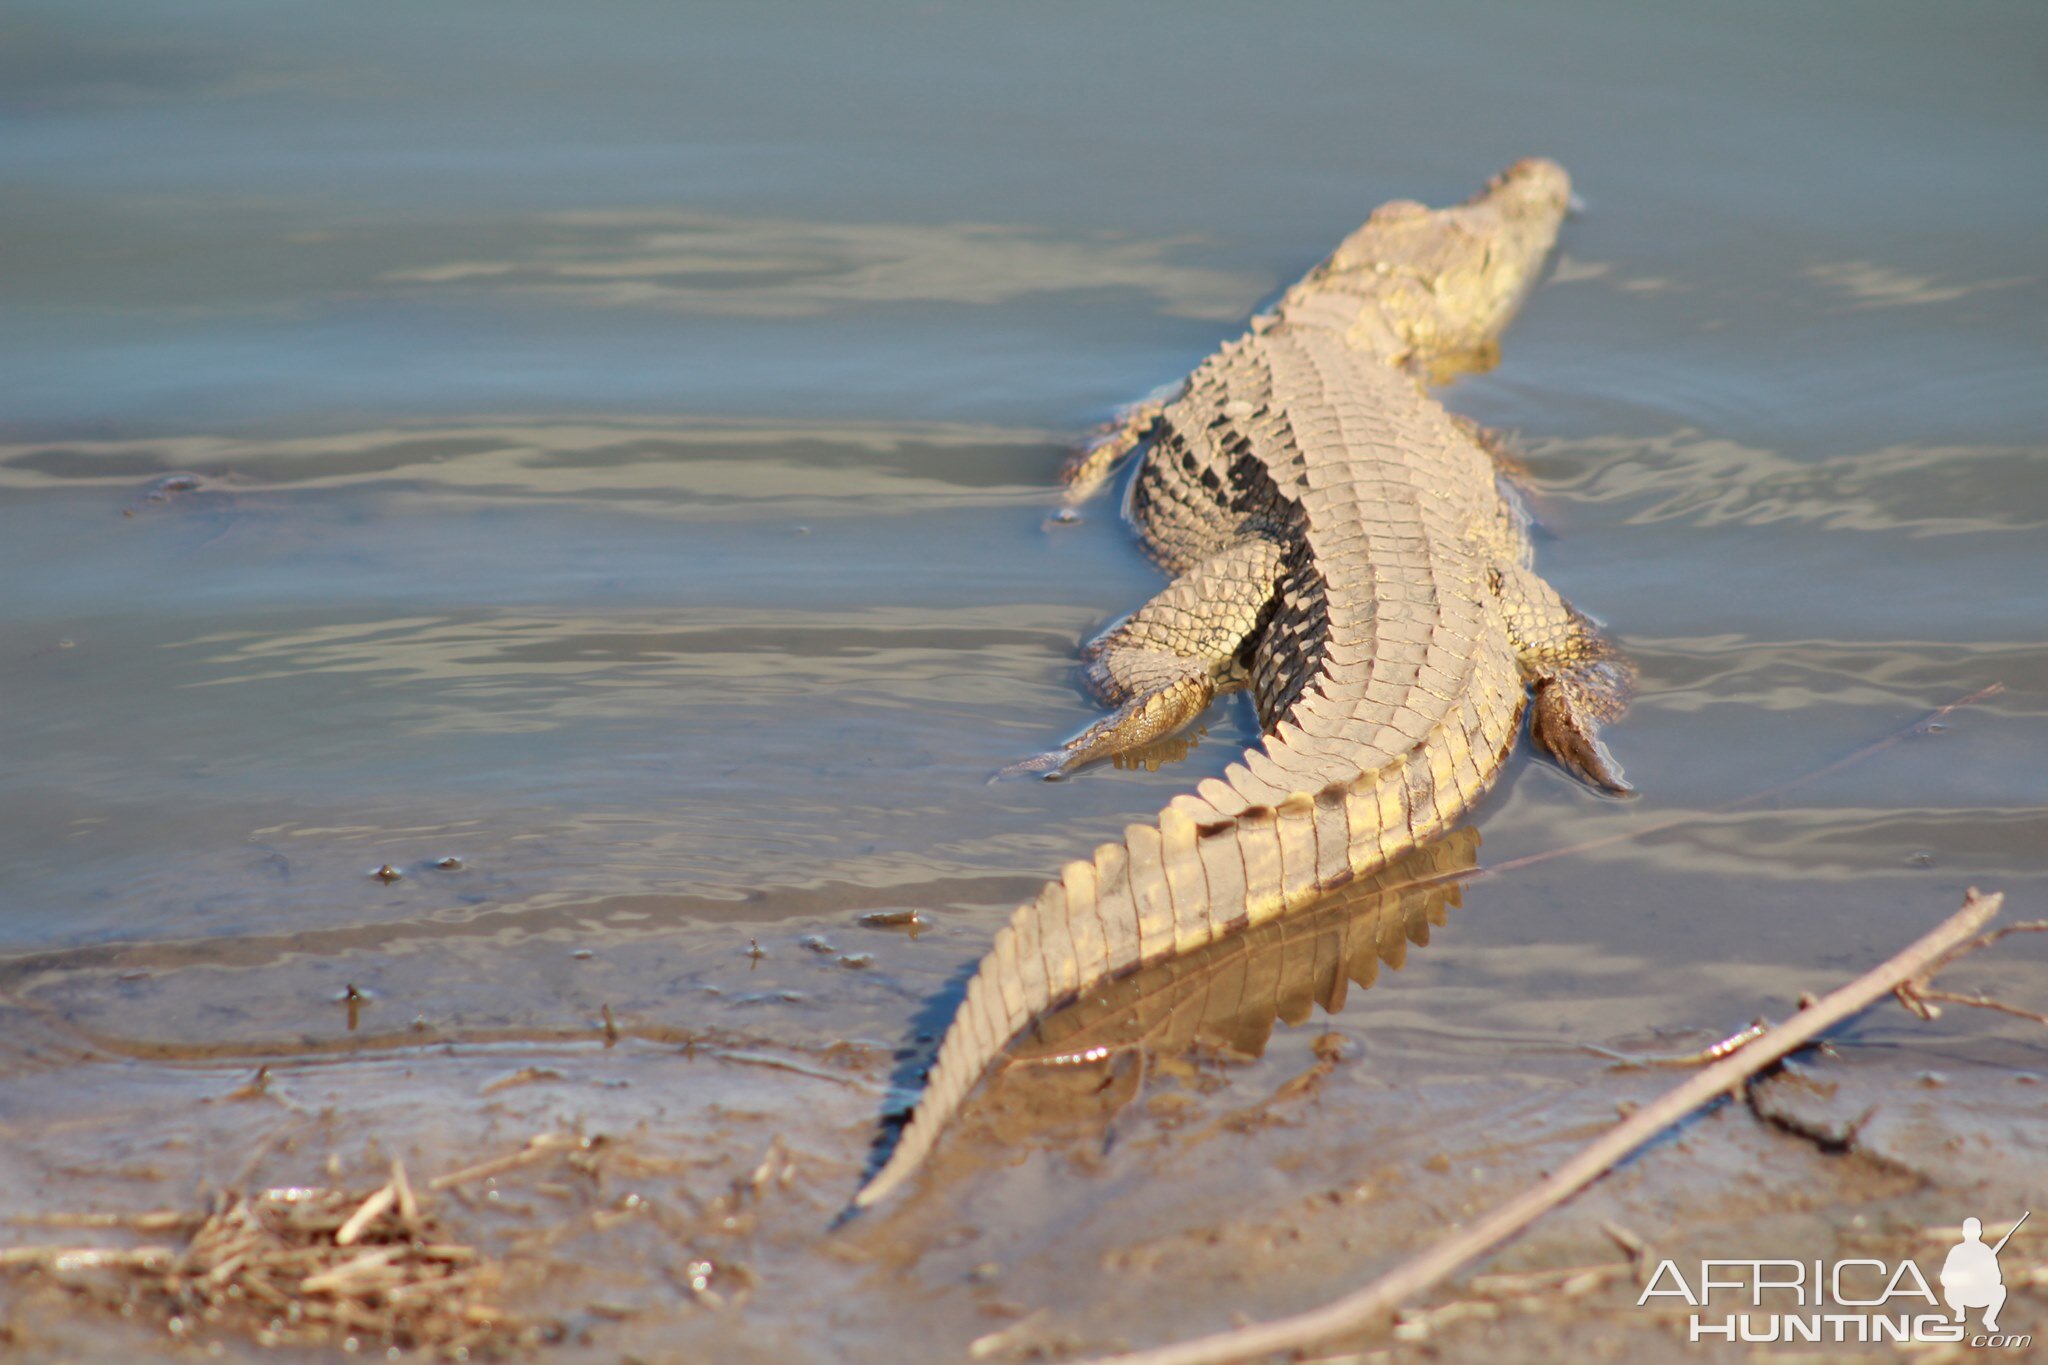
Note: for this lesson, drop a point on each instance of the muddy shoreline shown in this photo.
(642, 1195)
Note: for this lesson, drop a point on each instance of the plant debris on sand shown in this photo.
(298, 1265)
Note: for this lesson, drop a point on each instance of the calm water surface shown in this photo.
(612, 447)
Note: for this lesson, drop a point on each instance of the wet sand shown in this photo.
(1206, 1142)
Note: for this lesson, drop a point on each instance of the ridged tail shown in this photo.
(1179, 883)
(1227, 997)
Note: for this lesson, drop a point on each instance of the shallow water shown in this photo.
(620, 444)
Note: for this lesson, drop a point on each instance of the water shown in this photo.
(622, 440)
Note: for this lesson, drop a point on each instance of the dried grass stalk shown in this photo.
(300, 1266)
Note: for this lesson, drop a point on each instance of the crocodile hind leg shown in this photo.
(1577, 678)
(1162, 665)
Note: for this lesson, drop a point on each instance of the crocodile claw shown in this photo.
(1051, 766)
(1566, 726)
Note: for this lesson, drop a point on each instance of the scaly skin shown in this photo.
(1346, 549)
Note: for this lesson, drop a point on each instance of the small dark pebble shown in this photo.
(762, 998)
(1066, 516)
(449, 864)
(387, 874)
(583, 955)
(857, 961)
(817, 943)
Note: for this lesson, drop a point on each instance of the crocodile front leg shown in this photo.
(1090, 466)
(1163, 665)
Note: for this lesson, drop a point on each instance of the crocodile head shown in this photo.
(1434, 288)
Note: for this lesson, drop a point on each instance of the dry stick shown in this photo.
(1358, 1309)
(1918, 999)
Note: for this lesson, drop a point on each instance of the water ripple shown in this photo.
(1688, 476)
(699, 468)
(783, 267)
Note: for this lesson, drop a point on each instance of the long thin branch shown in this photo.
(1360, 1308)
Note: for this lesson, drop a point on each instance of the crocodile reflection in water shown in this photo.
(1225, 998)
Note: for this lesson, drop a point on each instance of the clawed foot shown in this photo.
(1565, 723)
(1150, 716)
(1050, 766)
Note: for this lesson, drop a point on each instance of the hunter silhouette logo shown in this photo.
(1970, 1278)
(1858, 1299)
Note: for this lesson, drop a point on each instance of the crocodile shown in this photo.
(1357, 558)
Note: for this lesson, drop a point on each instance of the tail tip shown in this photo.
(871, 1193)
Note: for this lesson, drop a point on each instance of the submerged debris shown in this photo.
(526, 1075)
(912, 920)
(257, 1087)
(172, 484)
(354, 997)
